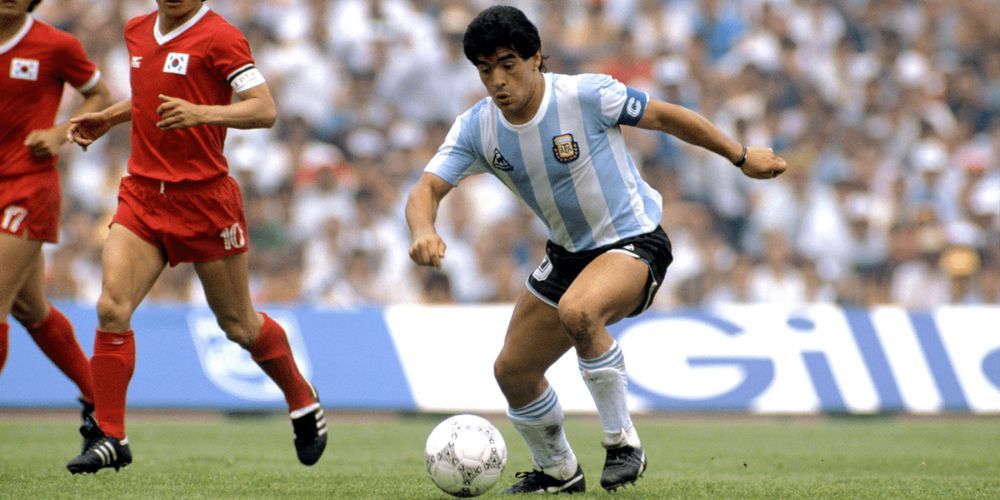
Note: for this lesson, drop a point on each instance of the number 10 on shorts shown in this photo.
(233, 237)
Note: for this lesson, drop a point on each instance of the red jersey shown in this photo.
(197, 62)
(34, 65)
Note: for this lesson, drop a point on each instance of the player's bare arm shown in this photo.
(690, 127)
(88, 127)
(421, 212)
(254, 109)
(46, 143)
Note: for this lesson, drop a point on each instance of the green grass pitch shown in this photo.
(209, 456)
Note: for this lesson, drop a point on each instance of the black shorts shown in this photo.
(560, 267)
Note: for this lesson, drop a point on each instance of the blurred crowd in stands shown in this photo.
(888, 112)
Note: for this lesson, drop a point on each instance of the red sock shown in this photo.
(54, 335)
(3, 344)
(112, 367)
(273, 354)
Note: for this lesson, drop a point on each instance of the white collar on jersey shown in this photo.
(9, 44)
(539, 114)
(176, 32)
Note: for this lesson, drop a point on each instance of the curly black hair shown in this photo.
(501, 26)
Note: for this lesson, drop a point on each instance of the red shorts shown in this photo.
(31, 203)
(187, 221)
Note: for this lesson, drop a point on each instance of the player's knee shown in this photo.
(501, 371)
(26, 315)
(508, 373)
(579, 321)
(113, 314)
(236, 331)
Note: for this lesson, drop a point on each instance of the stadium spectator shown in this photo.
(178, 204)
(773, 280)
(36, 61)
(606, 255)
(847, 98)
(436, 288)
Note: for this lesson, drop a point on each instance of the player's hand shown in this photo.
(762, 163)
(45, 143)
(87, 128)
(177, 113)
(428, 250)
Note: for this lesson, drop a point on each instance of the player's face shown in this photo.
(515, 84)
(178, 9)
(14, 8)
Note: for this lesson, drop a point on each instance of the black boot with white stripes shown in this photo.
(309, 426)
(103, 453)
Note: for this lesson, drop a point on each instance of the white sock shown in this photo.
(607, 381)
(540, 423)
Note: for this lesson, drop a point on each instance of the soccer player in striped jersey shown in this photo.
(556, 142)
(179, 204)
(36, 62)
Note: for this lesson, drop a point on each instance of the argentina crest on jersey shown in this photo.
(565, 148)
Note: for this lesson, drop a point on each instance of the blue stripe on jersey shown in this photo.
(460, 155)
(617, 193)
(510, 148)
(651, 199)
(471, 152)
(562, 184)
(592, 200)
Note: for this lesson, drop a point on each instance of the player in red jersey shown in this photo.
(179, 204)
(36, 60)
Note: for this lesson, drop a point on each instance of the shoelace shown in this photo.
(620, 456)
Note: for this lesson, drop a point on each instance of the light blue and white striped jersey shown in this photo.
(568, 164)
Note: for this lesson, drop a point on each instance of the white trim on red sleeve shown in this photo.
(91, 83)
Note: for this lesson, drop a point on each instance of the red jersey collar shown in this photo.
(176, 32)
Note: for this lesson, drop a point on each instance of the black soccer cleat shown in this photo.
(536, 481)
(310, 434)
(622, 467)
(104, 453)
(88, 425)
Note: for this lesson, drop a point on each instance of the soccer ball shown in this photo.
(465, 455)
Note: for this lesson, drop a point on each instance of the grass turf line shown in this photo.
(715, 457)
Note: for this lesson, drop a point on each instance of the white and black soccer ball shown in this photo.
(465, 455)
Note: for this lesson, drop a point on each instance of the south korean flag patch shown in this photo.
(24, 69)
(176, 63)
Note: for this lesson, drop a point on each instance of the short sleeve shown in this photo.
(76, 68)
(618, 103)
(456, 158)
(232, 61)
